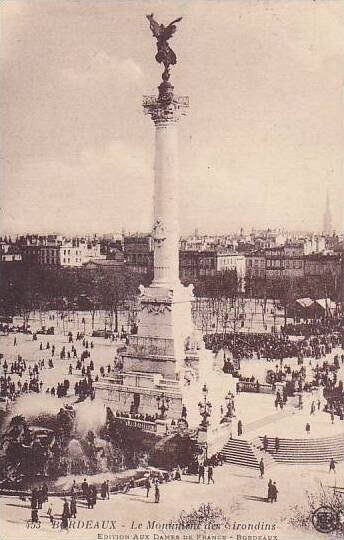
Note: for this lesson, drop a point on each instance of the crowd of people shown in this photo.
(13, 373)
(313, 328)
(273, 347)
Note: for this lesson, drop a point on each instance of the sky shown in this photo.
(260, 146)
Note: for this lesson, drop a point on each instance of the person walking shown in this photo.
(147, 486)
(265, 443)
(157, 493)
(65, 515)
(200, 473)
(261, 468)
(73, 508)
(94, 495)
(50, 512)
(308, 428)
(332, 466)
(210, 474)
(89, 497)
(84, 488)
(270, 491)
(239, 428)
(74, 488)
(274, 492)
(103, 490)
(332, 417)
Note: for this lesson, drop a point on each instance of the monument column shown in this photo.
(165, 111)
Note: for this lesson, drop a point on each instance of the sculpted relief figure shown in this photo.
(159, 232)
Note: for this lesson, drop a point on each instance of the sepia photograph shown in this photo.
(172, 270)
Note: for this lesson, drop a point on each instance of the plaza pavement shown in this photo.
(239, 492)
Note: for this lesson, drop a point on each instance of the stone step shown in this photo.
(241, 452)
(304, 450)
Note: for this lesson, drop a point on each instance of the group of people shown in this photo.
(273, 347)
(11, 384)
(61, 389)
(202, 469)
(312, 328)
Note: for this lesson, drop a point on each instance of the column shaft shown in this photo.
(166, 204)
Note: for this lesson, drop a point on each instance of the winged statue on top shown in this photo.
(162, 33)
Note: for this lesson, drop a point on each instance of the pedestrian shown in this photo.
(332, 466)
(94, 495)
(239, 428)
(50, 512)
(65, 515)
(103, 489)
(200, 473)
(84, 488)
(157, 493)
(74, 488)
(178, 473)
(308, 428)
(274, 492)
(261, 468)
(73, 508)
(210, 474)
(89, 497)
(147, 486)
(270, 491)
(265, 443)
(332, 417)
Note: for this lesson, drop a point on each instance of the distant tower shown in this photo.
(327, 227)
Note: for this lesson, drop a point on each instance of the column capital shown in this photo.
(166, 111)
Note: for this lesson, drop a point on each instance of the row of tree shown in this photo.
(34, 288)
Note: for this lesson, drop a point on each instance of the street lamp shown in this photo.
(163, 405)
(205, 407)
(229, 398)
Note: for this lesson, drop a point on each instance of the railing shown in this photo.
(144, 425)
(245, 386)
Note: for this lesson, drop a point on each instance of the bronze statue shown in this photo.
(165, 54)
